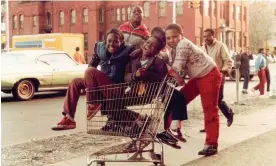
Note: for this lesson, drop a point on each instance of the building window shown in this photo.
(14, 24)
(85, 15)
(206, 7)
(73, 16)
(245, 41)
(162, 8)
(101, 15)
(214, 8)
(233, 11)
(101, 36)
(85, 40)
(3, 20)
(146, 9)
(238, 38)
(112, 15)
(48, 18)
(34, 21)
(123, 14)
(244, 14)
(21, 21)
(118, 12)
(128, 13)
(222, 11)
(179, 8)
(238, 13)
(61, 18)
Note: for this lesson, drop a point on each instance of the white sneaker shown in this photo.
(253, 91)
(263, 97)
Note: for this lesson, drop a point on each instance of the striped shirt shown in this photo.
(134, 36)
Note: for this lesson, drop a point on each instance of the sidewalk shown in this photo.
(244, 128)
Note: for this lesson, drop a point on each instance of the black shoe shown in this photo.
(167, 139)
(230, 119)
(177, 134)
(208, 150)
(202, 131)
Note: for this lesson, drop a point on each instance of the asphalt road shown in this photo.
(258, 151)
(24, 121)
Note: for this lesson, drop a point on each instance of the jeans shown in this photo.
(267, 73)
(246, 77)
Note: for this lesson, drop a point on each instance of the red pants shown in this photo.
(208, 88)
(261, 85)
(92, 78)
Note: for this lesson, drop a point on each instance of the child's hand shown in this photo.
(141, 72)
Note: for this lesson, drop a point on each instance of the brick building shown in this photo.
(93, 19)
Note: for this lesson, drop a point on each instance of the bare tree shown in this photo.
(261, 23)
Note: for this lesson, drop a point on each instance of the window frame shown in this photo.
(73, 18)
(85, 17)
(61, 18)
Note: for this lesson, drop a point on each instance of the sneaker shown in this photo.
(177, 134)
(92, 110)
(253, 91)
(167, 139)
(65, 124)
(230, 119)
(244, 91)
(208, 150)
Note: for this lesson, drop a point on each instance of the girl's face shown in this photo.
(113, 42)
(173, 38)
(150, 47)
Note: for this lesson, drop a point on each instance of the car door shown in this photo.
(64, 69)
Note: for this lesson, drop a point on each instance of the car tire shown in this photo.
(232, 75)
(24, 90)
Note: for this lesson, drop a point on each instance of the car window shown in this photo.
(14, 58)
(59, 59)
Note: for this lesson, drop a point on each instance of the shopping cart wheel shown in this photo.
(101, 163)
(158, 157)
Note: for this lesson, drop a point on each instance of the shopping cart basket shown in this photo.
(133, 110)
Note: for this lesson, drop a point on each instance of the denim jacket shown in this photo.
(114, 65)
(260, 62)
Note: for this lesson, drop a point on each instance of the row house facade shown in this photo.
(229, 19)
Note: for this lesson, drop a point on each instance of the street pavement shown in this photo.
(24, 121)
(249, 142)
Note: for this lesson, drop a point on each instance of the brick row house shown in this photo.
(229, 19)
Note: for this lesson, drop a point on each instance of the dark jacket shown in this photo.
(156, 70)
(245, 58)
(114, 65)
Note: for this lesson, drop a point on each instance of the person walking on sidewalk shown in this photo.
(219, 53)
(245, 69)
(135, 32)
(260, 65)
(78, 56)
(114, 56)
(203, 72)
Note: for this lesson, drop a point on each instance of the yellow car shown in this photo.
(29, 71)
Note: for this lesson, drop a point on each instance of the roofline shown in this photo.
(47, 34)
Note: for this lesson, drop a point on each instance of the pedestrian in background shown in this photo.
(245, 69)
(78, 56)
(267, 72)
(218, 51)
(260, 65)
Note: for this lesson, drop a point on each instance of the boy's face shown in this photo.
(150, 47)
(137, 14)
(173, 38)
(113, 43)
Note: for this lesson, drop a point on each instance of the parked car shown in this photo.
(29, 71)
(252, 72)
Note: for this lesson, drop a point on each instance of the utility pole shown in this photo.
(7, 26)
(174, 12)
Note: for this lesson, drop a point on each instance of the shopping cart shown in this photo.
(133, 110)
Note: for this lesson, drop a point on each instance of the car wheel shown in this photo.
(24, 90)
(232, 75)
